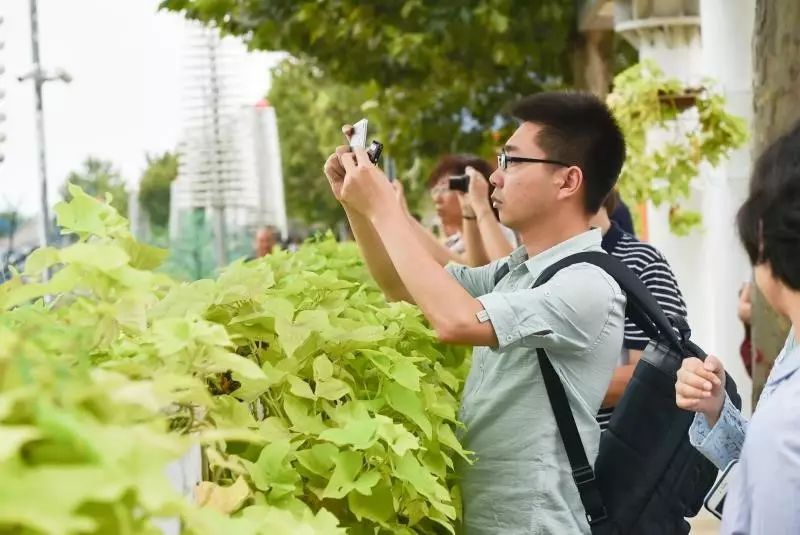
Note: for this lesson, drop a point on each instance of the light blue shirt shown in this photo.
(764, 492)
(521, 481)
(724, 442)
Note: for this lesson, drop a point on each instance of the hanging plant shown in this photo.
(697, 129)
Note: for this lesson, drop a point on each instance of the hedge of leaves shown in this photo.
(321, 408)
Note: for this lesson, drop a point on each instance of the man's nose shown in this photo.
(496, 179)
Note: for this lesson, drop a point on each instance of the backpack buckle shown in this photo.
(596, 520)
(680, 324)
(583, 475)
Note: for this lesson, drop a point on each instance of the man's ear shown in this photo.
(572, 180)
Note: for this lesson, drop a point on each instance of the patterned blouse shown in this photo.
(723, 443)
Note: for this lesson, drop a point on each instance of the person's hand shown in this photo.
(745, 304)
(335, 171)
(701, 387)
(365, 188)
(478, 192)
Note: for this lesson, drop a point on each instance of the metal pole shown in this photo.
(38, 81)
(218, 202)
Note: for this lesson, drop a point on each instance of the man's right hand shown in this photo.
(335, 171)
(701, 387)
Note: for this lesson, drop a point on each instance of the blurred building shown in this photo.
(229, 157)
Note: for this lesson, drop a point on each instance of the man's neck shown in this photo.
(540, 238)
(602, 222)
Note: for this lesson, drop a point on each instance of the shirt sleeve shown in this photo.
(571, 311)
(476, 281)
(722, 443)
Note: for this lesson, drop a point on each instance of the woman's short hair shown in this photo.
(456, 164)
(769, 220)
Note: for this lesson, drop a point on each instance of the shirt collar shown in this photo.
(583, 241)
(787, 365)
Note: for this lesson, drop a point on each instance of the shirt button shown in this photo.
(509, 338)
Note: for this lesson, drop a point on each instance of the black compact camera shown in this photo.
(359, 139)
(459, 183)
(374, 151)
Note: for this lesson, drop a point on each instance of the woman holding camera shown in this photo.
(473, 235)
(765, 486)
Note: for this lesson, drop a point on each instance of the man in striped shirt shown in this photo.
(652, 268)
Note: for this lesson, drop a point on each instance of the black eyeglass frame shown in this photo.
(504, 159)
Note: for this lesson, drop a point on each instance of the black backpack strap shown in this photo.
(501, 273)
(582, 472)
(642, 308)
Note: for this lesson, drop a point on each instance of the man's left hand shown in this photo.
(366, 188)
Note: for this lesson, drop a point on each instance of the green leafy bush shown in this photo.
(318, 403)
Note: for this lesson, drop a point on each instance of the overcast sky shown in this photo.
(124, 101)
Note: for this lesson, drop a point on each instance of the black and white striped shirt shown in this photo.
(653, 270)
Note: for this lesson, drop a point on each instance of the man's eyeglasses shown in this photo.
(504, 159)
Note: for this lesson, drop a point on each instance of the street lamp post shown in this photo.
(39, 77)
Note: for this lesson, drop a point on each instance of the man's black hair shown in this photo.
(578, 129)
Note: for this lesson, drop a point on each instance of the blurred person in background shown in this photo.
(473, 235)
(621, 215)
(652, 268)
(746, 348)
(265, 240)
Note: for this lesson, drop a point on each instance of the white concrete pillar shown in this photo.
(727, 30)
(668, 33)
(695, 41)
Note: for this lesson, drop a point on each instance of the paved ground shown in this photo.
(705, 524)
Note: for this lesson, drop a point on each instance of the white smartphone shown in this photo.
(359, 137)
(715, 499)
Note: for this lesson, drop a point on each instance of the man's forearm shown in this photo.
(494, 241)
(377, 259)
(449, 308)
(440, 253)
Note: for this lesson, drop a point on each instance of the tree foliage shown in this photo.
(99, 178)
(432, 77)
(154, 187)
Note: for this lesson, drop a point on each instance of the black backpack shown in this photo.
(647, 476)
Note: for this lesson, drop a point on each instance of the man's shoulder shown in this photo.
(586, 282)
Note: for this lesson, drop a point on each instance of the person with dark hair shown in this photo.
(744, 310)
(764, 487)
(469, 240)
(553, 174)
(620, 214)
(654, 271)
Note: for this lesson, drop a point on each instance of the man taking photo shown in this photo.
(553, 174)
